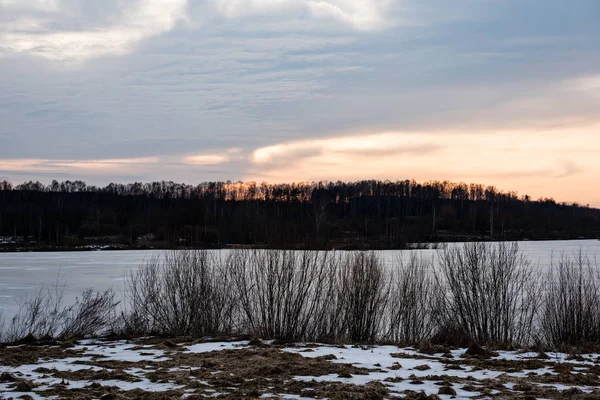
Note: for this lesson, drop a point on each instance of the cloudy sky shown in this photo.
(502, 92)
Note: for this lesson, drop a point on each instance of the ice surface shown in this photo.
(24, 273)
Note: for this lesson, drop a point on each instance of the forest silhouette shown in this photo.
(367, 214)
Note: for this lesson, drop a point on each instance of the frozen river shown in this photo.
(23, 273)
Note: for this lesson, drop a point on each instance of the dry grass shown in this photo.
(246, 373)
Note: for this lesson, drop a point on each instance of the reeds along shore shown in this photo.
(487, 293)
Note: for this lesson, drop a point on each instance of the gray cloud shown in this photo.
(415, 150)
(569, 169)
(49, 35)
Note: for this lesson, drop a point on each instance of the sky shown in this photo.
(499, 92)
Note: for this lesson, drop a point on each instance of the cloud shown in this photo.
(43, 27)
(206, 159)
(342, 147)
(146, 168)
(570, 169)
(103, 167)
(139, 20)
(240, 8)
(43, 5)
(307, 83)
(362, 15)
(215, 158)
(589, 84)
(527, 160)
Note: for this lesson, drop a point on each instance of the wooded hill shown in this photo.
(322, 215)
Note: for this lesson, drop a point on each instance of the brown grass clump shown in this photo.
(90, 375)
(411, 395)
(370, 391)
(423, 367)
(447, 390)
(27, 354)
(24, 386)
(6, 377)
(476, 350)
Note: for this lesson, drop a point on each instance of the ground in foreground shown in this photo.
(163, 369)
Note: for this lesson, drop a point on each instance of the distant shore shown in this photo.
(36, 248)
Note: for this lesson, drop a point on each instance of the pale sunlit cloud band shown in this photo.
(534, 162)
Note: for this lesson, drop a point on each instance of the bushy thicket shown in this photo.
(182, 293)
(415, 301)
(282, 294)
(571, 313)
(476, 292)
(44, 316)
(490, 291)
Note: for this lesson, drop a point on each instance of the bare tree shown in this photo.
(320, 206)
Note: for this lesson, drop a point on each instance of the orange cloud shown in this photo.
(165, 167)
(206, 159)
(551, 162)
(107, 165)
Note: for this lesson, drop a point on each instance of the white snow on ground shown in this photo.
(380, 357)
(113, 351)
(406, 364)
(45, 382)
(586, 359)
(105, 351)
(120, 351)
(215, 346)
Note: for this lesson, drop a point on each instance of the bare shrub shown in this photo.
(2, 332)
(43, 316)
(363, 288)
(280, 293)
(490, 291)
(182, 293)
(329, 323)
(307, 295)
(412, 302)
(91, 313)
(571, 313)
(38, 316)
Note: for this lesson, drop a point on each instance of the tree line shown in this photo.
(367, 214)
